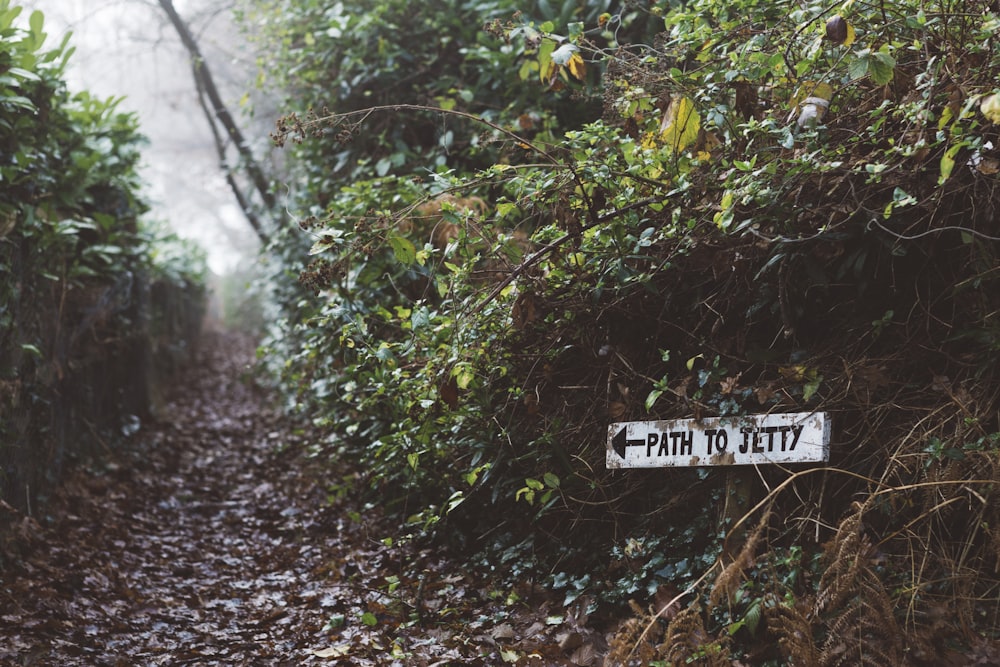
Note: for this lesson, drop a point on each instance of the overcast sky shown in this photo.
(127, 47)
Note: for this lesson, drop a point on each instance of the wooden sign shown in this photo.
(798, 437)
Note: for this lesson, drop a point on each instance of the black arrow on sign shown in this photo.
(621, 441)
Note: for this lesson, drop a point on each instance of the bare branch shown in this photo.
(216, 111)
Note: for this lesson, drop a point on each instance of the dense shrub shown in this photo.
(779, 208)
(92, 302)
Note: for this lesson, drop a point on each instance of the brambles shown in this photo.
(827, 264)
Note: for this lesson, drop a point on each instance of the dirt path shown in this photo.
(212, 544)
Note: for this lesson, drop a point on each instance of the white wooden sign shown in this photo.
(798, 437)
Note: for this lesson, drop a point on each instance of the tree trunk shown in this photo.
(216, 111)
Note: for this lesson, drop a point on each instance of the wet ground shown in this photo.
(216, 541)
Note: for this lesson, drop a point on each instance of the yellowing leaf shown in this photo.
(948, 162)
(821, 89)
(680, 125)
(546, 68)
(463, 376)
(990, 107)
(564, 53)
(577, 67)
(946, 115)
(851, 35)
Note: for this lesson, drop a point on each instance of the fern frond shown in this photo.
(732, 575)
(794, 632)
(687, 642)
(626, 645)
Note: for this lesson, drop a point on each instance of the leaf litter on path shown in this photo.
(212, 541)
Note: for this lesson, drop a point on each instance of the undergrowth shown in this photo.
(715, 242)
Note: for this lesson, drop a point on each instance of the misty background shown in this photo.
(129, 48)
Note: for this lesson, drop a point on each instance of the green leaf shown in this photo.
(19, 102)
(403, 249)
(858, 67)
(505, 208)
(551, 480)
(334, 622)
(534, 484)
(810, 388)
(369, 619)
(32, 349)
(545, 64)
(652, 398)
(7, 16)
(454, 501)
(24, 74)
(948, 162)
(881, 67)
(36, 22)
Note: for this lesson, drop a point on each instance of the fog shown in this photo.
(128, 48)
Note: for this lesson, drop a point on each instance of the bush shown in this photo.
(774, 212)
(86, 305)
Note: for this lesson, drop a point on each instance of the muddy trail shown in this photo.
(215, 541)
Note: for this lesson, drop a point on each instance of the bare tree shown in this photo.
(225, 131)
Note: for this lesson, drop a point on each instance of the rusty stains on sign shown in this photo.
(800, 437)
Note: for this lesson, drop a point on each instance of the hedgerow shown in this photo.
(93, 300)
(775, 207)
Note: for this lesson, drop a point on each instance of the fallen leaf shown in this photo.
(584, 656)
(503, 631)
(616, 409)
(569, 640)
(509, 655)
(338, 651)
(730, 384)
(988, 166)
